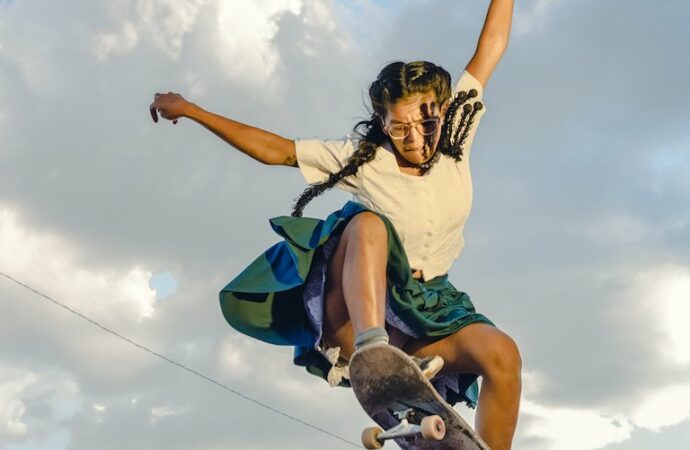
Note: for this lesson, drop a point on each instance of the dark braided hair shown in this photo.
(454, 132)
(395, 82)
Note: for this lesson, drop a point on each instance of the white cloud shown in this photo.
(320, 20)
(103, 44)
(48, 263)
(42, 399)
(245, 34)
(13, 383)
(232, 360)
(666, 293)
(195, 81)
(660, 301)
(574, 429)
(663, 407)
(99, 408)
(241, 38)
(242, 359)
(160, 412)
(164, 23)
(561, 427)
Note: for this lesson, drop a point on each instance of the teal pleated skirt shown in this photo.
(267, 299)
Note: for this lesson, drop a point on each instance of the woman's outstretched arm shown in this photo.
(493, 40)
(263, 146)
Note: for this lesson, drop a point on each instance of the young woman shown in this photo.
(375, 271)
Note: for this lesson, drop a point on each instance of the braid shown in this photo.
(454, 132)
(366, 150)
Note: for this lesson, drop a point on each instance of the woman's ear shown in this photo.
(382, 122)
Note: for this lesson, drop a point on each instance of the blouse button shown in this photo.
(424, 258)
(428, 244)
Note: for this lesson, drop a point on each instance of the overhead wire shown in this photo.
(182, 366)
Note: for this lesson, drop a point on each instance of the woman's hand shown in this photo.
(263, 146)
(170, 106)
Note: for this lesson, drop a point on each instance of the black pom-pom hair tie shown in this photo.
(457, 123)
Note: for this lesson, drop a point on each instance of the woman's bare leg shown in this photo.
(486, 351)
(355, 293)
(356, 288)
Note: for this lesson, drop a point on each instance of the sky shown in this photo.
(578, 244)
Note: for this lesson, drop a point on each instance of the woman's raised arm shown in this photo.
(263, 146)
(493, 40)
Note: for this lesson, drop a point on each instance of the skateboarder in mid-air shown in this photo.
(375, 271)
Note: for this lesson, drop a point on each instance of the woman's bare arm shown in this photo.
(493, 40)
(263, 146)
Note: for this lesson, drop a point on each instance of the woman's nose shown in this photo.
(413, 135)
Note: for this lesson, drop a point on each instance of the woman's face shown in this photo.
(413, 125)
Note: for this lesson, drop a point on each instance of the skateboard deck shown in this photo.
(394, 392)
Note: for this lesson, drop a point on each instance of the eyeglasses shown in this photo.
(425, 127)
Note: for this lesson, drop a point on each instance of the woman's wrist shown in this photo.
(191, 110)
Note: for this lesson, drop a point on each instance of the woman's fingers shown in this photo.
(166, 109)
(152, 110)
(153, 107)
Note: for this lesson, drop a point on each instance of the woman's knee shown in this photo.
(366, 227)
(500, 357)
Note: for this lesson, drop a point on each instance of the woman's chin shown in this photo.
(417, 157)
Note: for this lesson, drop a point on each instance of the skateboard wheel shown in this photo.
(370, 437)
(433, 428)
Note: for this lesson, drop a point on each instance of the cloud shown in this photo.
(655, 308)
(36, 404)
(245, 36)
(562, 428)
(160, 412)
(663, 407)
(104, 44)
(163, 23)
(12, 407)
(666, 298)
(50, 263)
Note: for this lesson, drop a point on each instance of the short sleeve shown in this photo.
(318, 159)
(466, 83)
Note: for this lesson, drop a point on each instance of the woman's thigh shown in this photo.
(478, 348)
(337, 327)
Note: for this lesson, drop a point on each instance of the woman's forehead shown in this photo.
(415, 105)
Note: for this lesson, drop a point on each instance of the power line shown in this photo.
(182, 366)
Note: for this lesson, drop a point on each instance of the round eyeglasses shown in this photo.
(424, 127)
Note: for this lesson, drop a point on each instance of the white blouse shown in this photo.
(428, 212)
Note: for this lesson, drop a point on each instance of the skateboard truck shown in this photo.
(394, 392)
(430, 427)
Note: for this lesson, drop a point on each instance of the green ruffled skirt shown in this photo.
(266, 300)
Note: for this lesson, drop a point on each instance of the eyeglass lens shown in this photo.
(425, 127)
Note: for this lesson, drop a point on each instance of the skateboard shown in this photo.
(394, 392)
